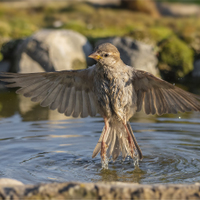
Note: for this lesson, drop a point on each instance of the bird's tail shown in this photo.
(116, 139)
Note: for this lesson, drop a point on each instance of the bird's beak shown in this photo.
(95, 56)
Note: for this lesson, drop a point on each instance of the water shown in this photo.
(38, 145)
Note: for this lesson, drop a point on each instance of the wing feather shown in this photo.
(159, 102)
(71, 104)
(30, 90)
(152, 102)
(50, 97)
(92, 104)
(87, 102)
(78, 108)
(171, 103)
(84, 112)
(64, 100)
(71, 92)
(140, 98)
(158, 96)
(147, 102)
(58, 100)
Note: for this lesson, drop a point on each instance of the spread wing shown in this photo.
(158, 96)
(71, 92)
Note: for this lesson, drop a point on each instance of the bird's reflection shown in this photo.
(11, 103)
(128, 173)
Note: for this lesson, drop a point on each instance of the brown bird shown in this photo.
(111, 88)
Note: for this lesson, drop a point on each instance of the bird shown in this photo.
(109, 88)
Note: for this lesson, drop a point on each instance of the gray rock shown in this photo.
(4, 66)
(178, 9)
(50, 50)
(135, 53)
(196, 71)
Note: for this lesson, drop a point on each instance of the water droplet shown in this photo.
(104, 163)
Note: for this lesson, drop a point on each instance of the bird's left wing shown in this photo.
(158, 96)
(71, 92)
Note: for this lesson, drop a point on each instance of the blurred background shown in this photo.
(162, 37)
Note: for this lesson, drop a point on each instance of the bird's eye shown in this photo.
(106, 55)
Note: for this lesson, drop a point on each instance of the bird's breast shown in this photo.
(114, 95)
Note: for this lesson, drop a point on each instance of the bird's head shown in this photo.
(106, 54)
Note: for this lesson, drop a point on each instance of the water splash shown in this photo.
(136, 163)
(104, 163)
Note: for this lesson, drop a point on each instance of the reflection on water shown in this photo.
(39, 145)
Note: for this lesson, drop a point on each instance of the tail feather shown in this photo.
(112, 145)
(140, 156)
(97, 149)
(116, 140)
(108, 139)
(123, 148)
(116, 150)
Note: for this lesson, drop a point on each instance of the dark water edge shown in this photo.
(38, 145)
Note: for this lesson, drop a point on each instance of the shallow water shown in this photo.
(38, 145)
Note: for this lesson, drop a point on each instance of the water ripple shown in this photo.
(43, 149)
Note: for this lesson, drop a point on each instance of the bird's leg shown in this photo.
(103, 143)
(130, 140)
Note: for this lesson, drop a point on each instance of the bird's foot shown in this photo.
(104, 159)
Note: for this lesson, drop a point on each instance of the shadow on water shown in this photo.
(40, 145)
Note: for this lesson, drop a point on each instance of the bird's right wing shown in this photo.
(158, 96)
(71, 92)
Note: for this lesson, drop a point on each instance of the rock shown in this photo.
(4, 66)
(147, 6)
(178, 9)
(109, 190)
(135, 53)
(196, 71)
(4, 182)
(103, 2)
(8, 49)
(50, 50)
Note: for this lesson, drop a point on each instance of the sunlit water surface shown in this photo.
(38, 145)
